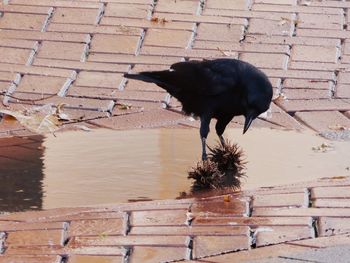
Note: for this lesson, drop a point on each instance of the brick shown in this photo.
(98, 79)
(96, 251)
(16, 43)
(34, 250)
(18, 226)
(7, 76)
(61, 50)
(266, 60)
(51, 36)
(97, 227)
(333, 202)
(30, 259)
(153, 118)
(92, 92)
(42, 10)
(114, 44)
(252, 221)
(14, 55)
(288, 199)
(315, 105)
(135, 85)
(34, 70)
(58, 3)
(227, 4)
(280, 234)
(36, 237)
(74, 16)
(344, 77)
(244, 47)
(127, 24)
(157, 254)
(167, 38)
(131, 59)
(216, 32)
(292, 9)
(194, 230)
(270, 27)
(307, 65)
(181, 52)
(306, 84)
(170, 6)
(328, 33)
(323, 121)
(127, 10)
(106, 240)
(92, 259)
(201, 18)
(204, 246)
(22, 21)
(314, 54)
(77, 65)
(330, 192)
(156, 218)
(40, 84)
(233, 208)
(295, 40)
(323, 242)
(321, 21)
(329, 226)
(330, 212)
(277, 2)
(94, 29)
(295, 94)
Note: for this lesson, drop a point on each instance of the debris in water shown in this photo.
(42, 119)
(324, 147)
(224, 168)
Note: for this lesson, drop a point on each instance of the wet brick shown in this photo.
(212, 245)
(157, 254)
(36, 237)
(157, 218)
(279, 200)
(14, 55)
(328, 226)
(93, 259)
(97, 227)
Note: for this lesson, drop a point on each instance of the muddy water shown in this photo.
(104, 166)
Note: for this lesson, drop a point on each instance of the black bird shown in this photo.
(220, 89)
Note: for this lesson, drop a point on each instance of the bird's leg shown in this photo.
(204, 130)
(220, 128)
(204, 149)
(222, 140)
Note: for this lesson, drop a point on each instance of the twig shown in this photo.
(31, 100)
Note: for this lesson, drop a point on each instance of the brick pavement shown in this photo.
(242, 226)
(75, 52)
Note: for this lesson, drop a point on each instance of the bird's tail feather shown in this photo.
(156, 77)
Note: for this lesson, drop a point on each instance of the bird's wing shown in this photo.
(210, 77)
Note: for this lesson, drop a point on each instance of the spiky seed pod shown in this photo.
(206, 176)
(229, 158)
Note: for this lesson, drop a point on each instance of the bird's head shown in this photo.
(258, 101)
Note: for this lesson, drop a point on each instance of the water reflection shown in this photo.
(21, 174)
(104, 166)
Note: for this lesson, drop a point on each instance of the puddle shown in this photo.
(104, 166)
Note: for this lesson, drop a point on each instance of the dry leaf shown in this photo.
(324, 147)
(338, 127)
(158, 20)
(43, 119)
(281, 97)
(123, 106)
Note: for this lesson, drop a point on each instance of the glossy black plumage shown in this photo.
(220, 89)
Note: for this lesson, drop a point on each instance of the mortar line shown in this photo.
(126, 223)
(48, 19)
(2, 242)
(12, 88)
(86, 48)
(101, 12)
(64, 90)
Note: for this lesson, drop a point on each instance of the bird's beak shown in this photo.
(248, 120)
